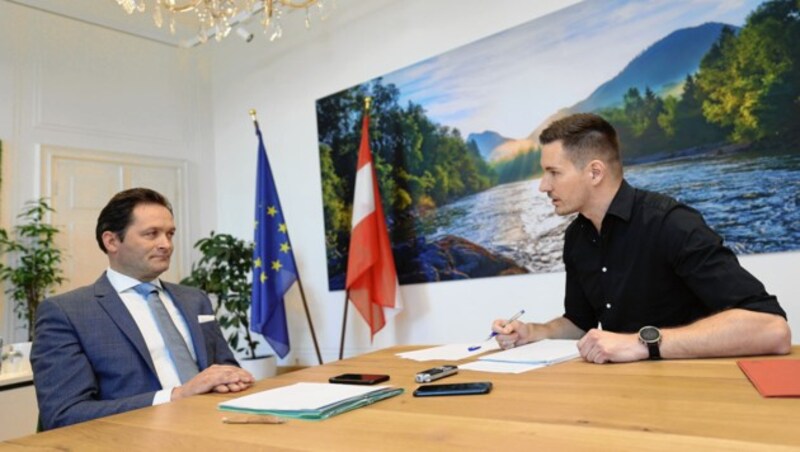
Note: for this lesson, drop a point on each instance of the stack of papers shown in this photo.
(310, 400)
(526, 357)
(545, 352)
(452, 352)
(500, 367)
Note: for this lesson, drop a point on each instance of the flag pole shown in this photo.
(299, 281)
(308, 313)
(344, 323)
(367, 104)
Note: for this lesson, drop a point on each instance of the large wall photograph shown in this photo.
(705, 96)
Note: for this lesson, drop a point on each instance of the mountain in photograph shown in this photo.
(661, 67)
(510, 149)
(495, 148)
(486, 141)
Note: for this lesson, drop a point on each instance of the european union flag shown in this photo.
(274, 270)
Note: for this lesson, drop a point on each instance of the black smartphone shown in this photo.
(478, 387)
(359, 379)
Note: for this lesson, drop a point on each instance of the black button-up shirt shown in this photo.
(655, 262)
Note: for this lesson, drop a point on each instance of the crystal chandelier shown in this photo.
(218, 17)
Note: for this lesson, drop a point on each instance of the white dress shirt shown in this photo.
(140, 311)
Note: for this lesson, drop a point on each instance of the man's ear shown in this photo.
(110, 240)
(597, 169)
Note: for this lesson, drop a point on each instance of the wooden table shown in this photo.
(660, 405)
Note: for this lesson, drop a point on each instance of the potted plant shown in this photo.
(224, 273)
(34, 269)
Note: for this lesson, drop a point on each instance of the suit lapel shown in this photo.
(110, 301)
(189, 312)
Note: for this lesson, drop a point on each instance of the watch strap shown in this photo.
(655, 352)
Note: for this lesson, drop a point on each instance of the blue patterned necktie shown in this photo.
(176, 345)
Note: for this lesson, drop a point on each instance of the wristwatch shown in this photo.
(651, 337)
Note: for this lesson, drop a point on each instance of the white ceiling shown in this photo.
(108, 14)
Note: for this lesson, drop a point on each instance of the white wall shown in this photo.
(360, 41)
(70, 84)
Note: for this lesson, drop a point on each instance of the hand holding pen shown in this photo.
(503, 325)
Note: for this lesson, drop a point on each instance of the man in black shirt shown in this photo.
(641, 266)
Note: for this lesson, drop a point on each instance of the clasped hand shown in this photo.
(598, 346)
(216, 378)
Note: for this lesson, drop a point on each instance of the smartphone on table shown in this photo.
(359, 379)
(478, 387)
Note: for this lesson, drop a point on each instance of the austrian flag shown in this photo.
(371, 275)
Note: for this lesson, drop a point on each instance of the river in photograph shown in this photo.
(753, 201)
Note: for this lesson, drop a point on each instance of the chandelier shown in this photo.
(218, 17)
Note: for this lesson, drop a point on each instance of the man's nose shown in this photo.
(165, 242)
(544, 186)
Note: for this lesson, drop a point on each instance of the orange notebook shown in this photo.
(774, 377)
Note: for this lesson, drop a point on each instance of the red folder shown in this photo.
(774, 377)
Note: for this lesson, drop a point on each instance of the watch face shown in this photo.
(650, 334)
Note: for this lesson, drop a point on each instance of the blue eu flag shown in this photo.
(274, 270)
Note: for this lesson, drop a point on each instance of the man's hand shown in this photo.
(216, 378)
(516, 333)
(600, 347)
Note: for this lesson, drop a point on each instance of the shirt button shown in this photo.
(608, 305)
(605, 269)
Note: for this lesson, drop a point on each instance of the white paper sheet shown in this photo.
(500, 367)
(548, 351)
(451, 352)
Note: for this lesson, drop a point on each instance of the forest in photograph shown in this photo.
(707, 113)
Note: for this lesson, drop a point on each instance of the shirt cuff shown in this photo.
(162, 396)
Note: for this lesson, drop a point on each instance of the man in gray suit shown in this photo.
(129, 340)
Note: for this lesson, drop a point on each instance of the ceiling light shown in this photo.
(218, 17)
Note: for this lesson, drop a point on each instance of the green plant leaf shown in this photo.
(224, 271)
(34, 270)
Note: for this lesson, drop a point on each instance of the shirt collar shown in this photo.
(622, 204)
(121, 282)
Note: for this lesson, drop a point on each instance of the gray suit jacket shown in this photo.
(90, 360)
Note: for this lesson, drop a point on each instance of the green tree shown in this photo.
(752, 81)
(716, 71)
(652, 137)
(37, 266)
(638, 122)
(337, 215)
(690, 126)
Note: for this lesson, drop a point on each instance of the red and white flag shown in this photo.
(371, 274)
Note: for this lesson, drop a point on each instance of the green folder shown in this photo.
(312, 401)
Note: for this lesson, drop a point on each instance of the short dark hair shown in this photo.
(117, 215)
(585, 137)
